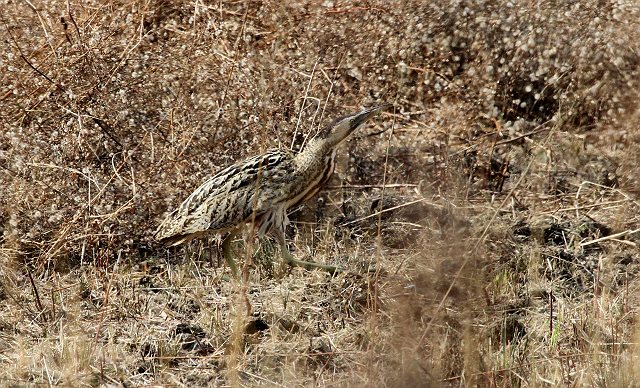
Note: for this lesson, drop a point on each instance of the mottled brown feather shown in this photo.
(261, 188)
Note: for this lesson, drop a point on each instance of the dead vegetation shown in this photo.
(498, 204)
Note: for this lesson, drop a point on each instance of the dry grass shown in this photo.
(499, 204)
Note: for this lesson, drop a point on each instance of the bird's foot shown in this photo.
(289, 259)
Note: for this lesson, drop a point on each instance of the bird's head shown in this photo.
(338, 130)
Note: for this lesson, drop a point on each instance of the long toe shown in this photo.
(289, 259)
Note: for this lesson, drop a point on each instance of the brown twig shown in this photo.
(36, 293)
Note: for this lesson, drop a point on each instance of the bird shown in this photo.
(260, 190)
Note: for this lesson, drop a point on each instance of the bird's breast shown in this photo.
(312, 177)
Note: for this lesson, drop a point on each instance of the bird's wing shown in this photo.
(228, 198)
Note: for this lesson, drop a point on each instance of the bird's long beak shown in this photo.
(366, 114)
(338, 130)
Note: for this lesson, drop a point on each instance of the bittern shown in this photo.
(260, 190)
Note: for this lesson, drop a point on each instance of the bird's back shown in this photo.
(233, 196)
(262, 188)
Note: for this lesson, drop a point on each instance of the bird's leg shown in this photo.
(228, 252)
(289, 259)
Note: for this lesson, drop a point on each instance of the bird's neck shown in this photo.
(314, 166)
(313, 154)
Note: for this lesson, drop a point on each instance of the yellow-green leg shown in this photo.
(228, 252)
(289, 259)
